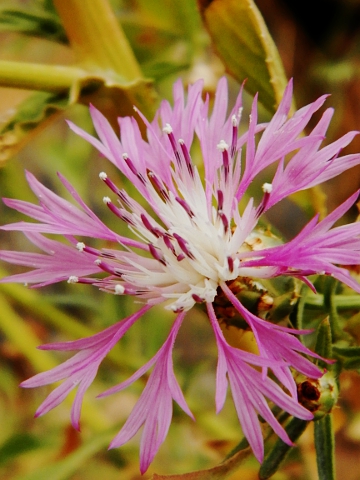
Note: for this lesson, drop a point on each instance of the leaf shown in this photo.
(347, 352)
(323, 342)
(36, 23)
(244, 43)
(219, 472)
(110, 95)
(348, 356)
(16, 445)
(280, 449)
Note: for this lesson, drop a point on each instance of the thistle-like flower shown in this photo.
(190, 243)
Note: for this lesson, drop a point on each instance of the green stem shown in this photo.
(97, 38)
(324, 444)
(340, 301)
(33, 76)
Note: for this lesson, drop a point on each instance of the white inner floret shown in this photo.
(194, 246)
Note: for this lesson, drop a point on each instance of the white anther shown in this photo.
(106, 200)
(267, 188)
(102, 176)
(80, 246)
(222, 145)
(119, 289)
(167, 129)
(73, 279)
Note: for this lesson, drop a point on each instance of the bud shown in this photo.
(270, 299)
(319, 396)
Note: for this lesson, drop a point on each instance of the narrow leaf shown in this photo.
(280, 449)
(323, 342)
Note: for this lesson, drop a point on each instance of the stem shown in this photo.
(324, 444)
(33, 76)
(341, 301)
(97, 38)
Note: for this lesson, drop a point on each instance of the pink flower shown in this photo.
(190, 248)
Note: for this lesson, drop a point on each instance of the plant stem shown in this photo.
(34, 76)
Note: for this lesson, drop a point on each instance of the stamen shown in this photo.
(119, 289)
(187, 157)
(267, 189)
(185, 206)
(169, 244)
(108, 268)
(103, 176)
(148, 226)
(223, 146)
(158, 186)
(224, 220)
(84, 248)
(73, 279)
(123, 215)
(124, 198)
(183, 246)
(230, 264)
(156, 254)
(220, 196)
(84, 280)
(107, 255)
(197, 298)
(169, 131)
(130, 164)
(80, 246)
(235, 129)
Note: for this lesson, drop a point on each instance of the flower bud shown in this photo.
(319, 396)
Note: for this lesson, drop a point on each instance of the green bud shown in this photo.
(271, 299)
(317, 395)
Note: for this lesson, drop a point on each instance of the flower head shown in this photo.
(189, 243)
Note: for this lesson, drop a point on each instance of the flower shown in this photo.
(191, 245)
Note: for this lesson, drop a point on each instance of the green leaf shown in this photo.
(323, 345)
(347, 352)
(280, 449)
(348, 356)
(324, 445)
(244, 44)
(36, 23)
(16, 445)
(112, 96)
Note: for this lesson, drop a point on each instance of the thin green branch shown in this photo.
(34, 76)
